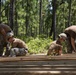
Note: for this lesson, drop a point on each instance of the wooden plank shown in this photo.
(39, 73)
(38, 65)
(36, 69)
(38, 58)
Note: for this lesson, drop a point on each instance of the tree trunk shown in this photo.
(27, 19)
(40, 18)
(53, 27)
(16, 23)
(6, 13)
(69, 17)
(11, 14)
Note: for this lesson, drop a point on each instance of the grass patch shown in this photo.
(38, 45)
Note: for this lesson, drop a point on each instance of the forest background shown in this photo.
(38, 22)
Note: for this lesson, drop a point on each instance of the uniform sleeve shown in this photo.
(14, 44)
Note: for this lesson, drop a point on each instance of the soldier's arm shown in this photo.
(73, 43)
(59, 45)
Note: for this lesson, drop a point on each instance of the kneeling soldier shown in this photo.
(56, 46)
(18, 47)
(4, 31)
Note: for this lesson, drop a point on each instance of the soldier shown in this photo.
(4, 31)
(18, 47)
(56, 46)
(71, 37)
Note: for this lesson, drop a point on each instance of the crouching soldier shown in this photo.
(4, 31)
(71, 38)
(56, 46)
(18, 47)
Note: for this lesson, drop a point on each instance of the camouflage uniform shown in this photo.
(4, 30)
(71, 37)
(55, 48)
(19, 48)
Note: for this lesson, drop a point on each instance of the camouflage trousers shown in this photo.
(69, 46)
(1, 45)
(18, 52)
